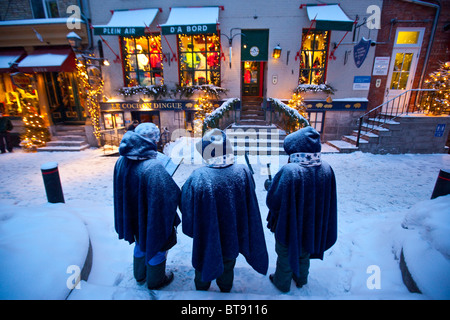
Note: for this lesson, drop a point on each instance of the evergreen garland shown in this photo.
(155, 91)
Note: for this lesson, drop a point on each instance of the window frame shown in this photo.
(208, 70)
(127, 81)
(325, 51)
(314, 122)
(43, 6)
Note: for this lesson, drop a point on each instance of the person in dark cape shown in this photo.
(145, 205)
(220, 212)
(302, 209)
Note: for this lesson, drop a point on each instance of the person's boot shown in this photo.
(139, 270)
(157, 276)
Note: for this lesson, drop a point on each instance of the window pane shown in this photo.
(199, 61)
(143, 60)
(313, 57)
(408, 37)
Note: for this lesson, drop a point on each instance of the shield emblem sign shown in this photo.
(360, 51)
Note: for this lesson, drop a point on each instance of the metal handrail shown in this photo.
(403, 101)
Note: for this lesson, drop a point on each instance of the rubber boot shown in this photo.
(139, 269)
(157, 276)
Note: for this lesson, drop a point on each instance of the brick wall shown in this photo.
(21, 9)
(400, 10)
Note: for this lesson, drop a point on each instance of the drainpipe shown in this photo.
(433, 32)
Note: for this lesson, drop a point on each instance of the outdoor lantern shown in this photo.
(277, 52)
(74, 40)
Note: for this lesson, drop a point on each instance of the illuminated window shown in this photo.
(199, 59)
(142, 60)
(313, 60)
(408, 37)
(400, 73)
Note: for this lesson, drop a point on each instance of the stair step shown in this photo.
(55, 143)
(253, 122)
(69, 138)
(352, 139)
(342, 146)
(63, 148)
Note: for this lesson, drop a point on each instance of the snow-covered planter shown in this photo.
(155, 91)
(315, 88)
(209, 89)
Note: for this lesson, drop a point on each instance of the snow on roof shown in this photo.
(43, 60)
(8, 60)
(37, 21)
(192, 16)
(332, 12)
(132, 18)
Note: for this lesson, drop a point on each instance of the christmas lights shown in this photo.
(438, 102)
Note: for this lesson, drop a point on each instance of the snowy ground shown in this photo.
(40, 241)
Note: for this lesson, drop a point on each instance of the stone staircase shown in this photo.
(67, 138)
(256, 140)
(251, 112)
(414, 133)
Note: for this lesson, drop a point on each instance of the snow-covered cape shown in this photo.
(145, 196)
(220, 212)
(302, 201)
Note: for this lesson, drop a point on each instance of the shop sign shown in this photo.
(361, 82)
(190, 29)
(360, 51)
(321, 105)
(21, 80)
(119, 31)
(148, 106)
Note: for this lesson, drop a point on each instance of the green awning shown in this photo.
(191, 20)
(127, 23)
(329, 17)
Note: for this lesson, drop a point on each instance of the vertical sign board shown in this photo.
(440, 128)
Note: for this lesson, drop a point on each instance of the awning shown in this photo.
(48, 60)
(191, 20)
(329, 17)
(8, 58)
(127, 23)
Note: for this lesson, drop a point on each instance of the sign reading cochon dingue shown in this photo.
(147, 106)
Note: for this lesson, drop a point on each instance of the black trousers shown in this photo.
(5, 136)
(283, 273)
(224, 281)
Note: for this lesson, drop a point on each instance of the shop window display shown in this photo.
(142, 60)
(314, 54)
(199, 59)
(16, 91)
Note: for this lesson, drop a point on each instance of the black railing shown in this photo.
(410, 101)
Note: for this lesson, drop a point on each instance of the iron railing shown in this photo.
(410, 101)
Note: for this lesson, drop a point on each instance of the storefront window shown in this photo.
(199, 59)
(142, 60)
(314, 55)
(16, 91)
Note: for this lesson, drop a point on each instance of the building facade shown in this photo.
(37, 64)
(234, 45)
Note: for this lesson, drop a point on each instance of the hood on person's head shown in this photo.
(305, 140)
(214, 144)
(141, 143)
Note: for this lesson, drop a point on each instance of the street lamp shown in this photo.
(276, 52)
(74, 40)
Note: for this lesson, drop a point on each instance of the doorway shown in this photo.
(252, 78)
(402, 70)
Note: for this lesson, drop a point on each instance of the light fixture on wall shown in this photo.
(276, 52)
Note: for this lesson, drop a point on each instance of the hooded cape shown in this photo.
(303, 211)
(220, 212)
(145, 196)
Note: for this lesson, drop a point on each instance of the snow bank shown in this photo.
(34, 241)
(426, 246)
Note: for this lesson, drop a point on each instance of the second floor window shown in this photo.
(314, 56)
(44, 9)
(142, 60)
(199, 59)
